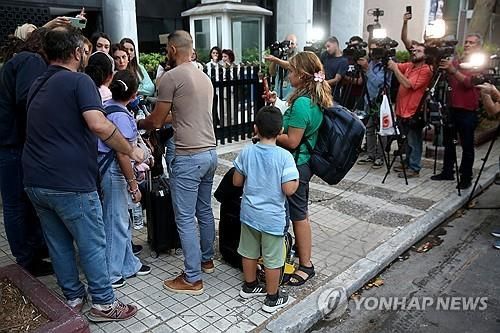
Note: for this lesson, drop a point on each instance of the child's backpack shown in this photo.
(338, 145)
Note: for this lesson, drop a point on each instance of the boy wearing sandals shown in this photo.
(268, 174)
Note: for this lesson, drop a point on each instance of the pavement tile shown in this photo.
(348, 221)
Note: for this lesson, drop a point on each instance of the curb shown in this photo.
(314, 307)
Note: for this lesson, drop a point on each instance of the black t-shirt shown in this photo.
(60, 151)
(16, 77)
(333, 66)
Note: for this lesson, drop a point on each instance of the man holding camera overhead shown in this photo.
(414, 78)
(463, 118)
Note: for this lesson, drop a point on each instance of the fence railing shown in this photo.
(237, 98)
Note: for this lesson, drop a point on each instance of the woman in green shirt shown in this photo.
(301, 122)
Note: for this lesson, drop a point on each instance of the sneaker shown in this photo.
(496, 244)
(116, 311)
(76, 304)
(40, 268)
(442, 176)
(248, 292)
(366, 160)
(118, 284)
(144, 270)
(136, 249)
(182, 286)
(464, 183)
(377, 164)
(496, 232)
(270, 306)
(208, 266)
(410, 173)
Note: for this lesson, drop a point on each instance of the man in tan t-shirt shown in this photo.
(188, 93)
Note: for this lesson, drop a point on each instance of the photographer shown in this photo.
(352, 81)
(279, 66)
(375, 75)
(413, 77)
(335, 66)
(463, 118)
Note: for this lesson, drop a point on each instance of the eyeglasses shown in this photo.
(470, 42)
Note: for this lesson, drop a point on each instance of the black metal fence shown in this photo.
(237, 97)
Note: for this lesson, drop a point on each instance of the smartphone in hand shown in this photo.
(77, 22)
(408, 11)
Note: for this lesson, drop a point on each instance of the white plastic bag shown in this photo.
(386, 122)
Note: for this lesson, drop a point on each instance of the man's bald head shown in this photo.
(293, 40)
(181, 40)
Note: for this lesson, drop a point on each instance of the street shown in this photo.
(456, 263)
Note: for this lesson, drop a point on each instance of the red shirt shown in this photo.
(463, 95)
(408, 99)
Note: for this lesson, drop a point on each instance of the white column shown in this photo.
(120, 20)
(294, 17)
(346, 20)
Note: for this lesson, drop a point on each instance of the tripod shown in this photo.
(400, 138)
(439, 115)
(353, 73)
(485, 159)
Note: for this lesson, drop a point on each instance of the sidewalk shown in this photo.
(359, 227)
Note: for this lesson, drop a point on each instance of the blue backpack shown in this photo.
(338, 146)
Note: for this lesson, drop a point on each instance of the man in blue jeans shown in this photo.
(188, 93)
(60, 167)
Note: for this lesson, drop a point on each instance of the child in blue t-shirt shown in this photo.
(268, 174)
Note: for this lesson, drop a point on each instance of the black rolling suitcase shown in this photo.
(162, 230)
(229, 197)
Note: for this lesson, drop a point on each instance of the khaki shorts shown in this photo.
(273, 247)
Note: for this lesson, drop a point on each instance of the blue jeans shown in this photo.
(463, 124)
(191, 184)
(122, 262)
(22, 226)
(169, 152)
(414, 143)
(68, 217)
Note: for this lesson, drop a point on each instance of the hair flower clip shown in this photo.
(319, 76)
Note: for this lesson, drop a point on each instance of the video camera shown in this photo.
(280, 49)
(317, 47)
(439, 49)
(355, 49)
(385, 50)
(492, 78)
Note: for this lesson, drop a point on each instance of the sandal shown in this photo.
(296, 280)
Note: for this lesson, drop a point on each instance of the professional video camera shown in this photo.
(280, 49)
(492, 78)
(355, 49)
(385, 50)
(317, 47)
(439, 48)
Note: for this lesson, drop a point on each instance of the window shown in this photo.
(247, 35)
(202, 36)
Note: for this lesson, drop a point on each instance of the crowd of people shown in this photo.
(70, 149)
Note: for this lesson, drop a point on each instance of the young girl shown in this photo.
(118, 184)
(301, 120)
